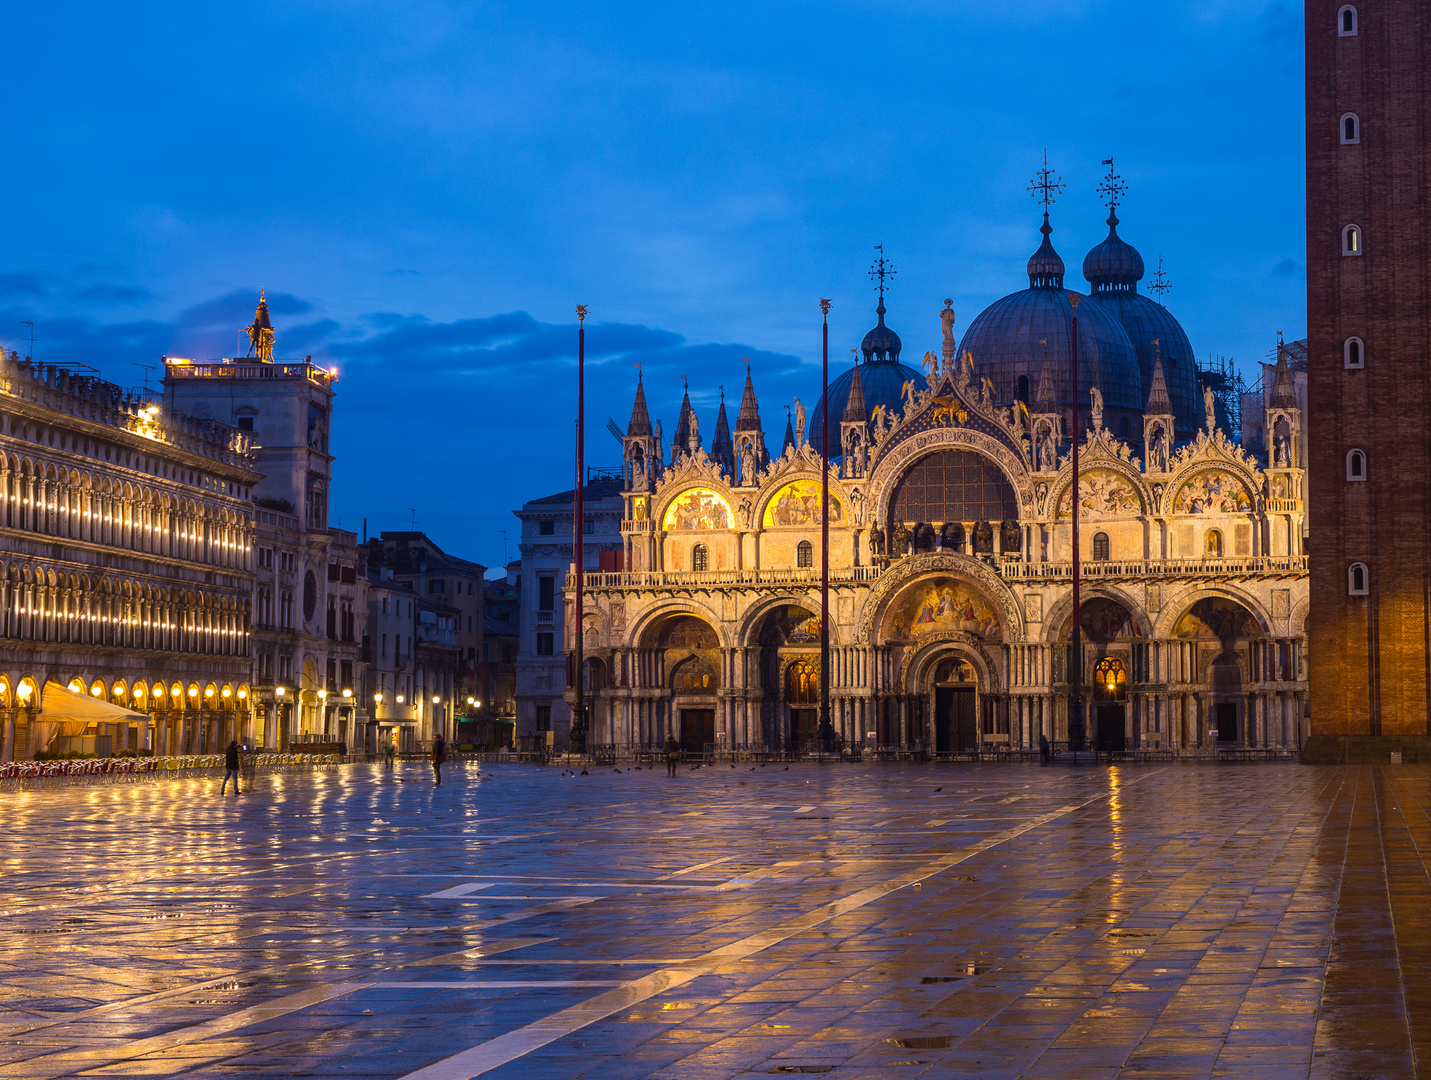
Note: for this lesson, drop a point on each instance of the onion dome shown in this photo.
(881, 343)
(1045, 265)
(881, 378)
(1012, 339)
(1114, 265)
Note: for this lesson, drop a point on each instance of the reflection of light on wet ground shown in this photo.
(984, 920)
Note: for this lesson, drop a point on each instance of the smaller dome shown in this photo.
(1045, 264)
(1114, 265)
(881, 343)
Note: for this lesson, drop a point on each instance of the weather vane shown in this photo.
(1045, 187)
(1112, 188)
(1160, 283)
(881, 269)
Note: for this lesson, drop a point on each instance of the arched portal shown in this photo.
(788, 642)
(953, 691)
(1224, 630)
(689, 654)
(1111, 644)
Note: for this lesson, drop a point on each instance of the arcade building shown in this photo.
(950, 554)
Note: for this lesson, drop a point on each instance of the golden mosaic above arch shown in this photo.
(941, 604)
(798, 503)
(1102, 493)
(697, 508)
(1212, 492)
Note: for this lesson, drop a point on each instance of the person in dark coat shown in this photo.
(231, 767)
(673, 755)
(439, 755)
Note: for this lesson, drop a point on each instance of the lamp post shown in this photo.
(577, 739)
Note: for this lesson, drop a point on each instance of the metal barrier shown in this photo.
(24, 775)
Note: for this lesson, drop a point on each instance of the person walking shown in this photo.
(389, 753)
(673, 755)
(439, 755)
(1043, 749)
(231, 767)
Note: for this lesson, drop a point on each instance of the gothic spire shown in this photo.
(855, 412)
(789, 435)
(260, 333)
(682, 434)
(1159, 403)
(722, 447)
(1046, 400)
(1284, 388)
(640, 418)
(748, 419)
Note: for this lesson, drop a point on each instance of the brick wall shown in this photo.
(1370, 655)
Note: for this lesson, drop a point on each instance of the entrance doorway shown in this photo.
(697, 730)
(1226, 713)
(805, 729)
(1109, 737)
(956, 728)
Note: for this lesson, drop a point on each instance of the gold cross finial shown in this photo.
(1045, 187)
(1112, 188)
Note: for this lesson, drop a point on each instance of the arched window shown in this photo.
(805, 554)
(1356, 465)
(1351, 240)
(700, 557)
(1357, 578)
(1346, 22)
(1023, 391)
(1353, 355)
(1351, 129)
(1213, 547)
(1100, 547)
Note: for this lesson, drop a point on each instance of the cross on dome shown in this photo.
(1045, 187)
(881, 268)
(1112, 188)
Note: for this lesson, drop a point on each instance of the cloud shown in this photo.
(515, 342)
(112, 294)
(1287, 267)
(24, 283)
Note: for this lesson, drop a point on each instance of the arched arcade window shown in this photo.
(1213, 547)
(1100, 547)
(1353, 353)
(1346, 21)
(805, 554)
(1350, 129)
(1351, 240)
(700, 557)
(1356, 466)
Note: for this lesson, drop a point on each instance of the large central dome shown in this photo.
(1013, 339)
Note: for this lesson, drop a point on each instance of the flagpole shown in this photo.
(578, 722)
(827, 731)
(1075, 658)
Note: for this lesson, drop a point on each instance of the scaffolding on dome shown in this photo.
(1221, 374)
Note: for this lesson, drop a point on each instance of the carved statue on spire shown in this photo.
(799, 423)
(946, 319)
(1209, 408)
(1097, 396)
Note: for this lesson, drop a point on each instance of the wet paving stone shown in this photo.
(845, 921)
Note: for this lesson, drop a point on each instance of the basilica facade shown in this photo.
(950, 506)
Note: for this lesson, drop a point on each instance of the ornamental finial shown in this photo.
(1045, 187)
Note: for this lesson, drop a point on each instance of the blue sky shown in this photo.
(427, 189)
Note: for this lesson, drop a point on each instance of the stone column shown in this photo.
(7, 736)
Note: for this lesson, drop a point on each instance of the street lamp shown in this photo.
(347, 692)
(279, 691)
(378, 697)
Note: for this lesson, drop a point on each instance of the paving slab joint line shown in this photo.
(493, 1053)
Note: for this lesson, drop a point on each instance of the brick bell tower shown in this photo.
(1369, 378)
